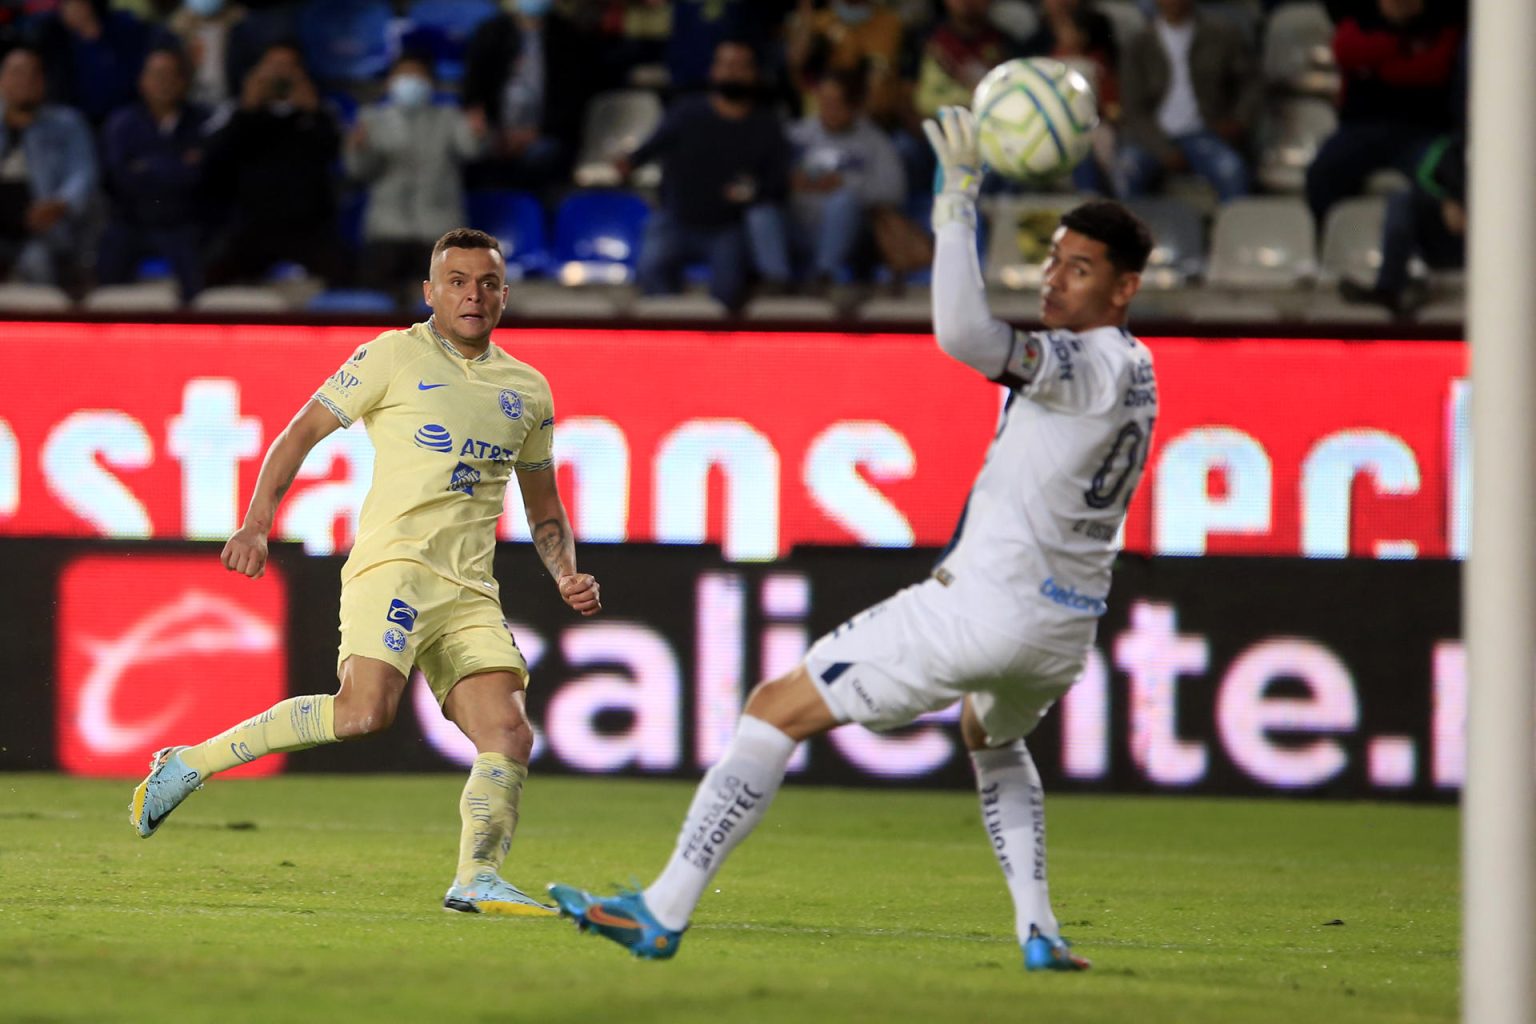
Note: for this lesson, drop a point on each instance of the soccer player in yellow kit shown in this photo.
(452, 418)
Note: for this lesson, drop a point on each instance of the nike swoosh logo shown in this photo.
(597, 915)
(152, 821)
(424, 386)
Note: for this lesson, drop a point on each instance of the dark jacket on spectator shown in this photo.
(1398, 72)
(153, 176)
(571, 79)
(97, 76)
(275, 168)
(702, 153)
(1222, 70)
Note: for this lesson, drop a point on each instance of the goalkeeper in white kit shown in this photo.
(1006, 620)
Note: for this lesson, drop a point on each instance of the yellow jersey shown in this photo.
(447, 433)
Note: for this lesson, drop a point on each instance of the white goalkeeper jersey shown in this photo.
(1036, 541)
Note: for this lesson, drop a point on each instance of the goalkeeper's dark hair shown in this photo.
(465, 238)
(1126, 239)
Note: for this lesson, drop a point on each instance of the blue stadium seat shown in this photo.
(351, 300)
(346, 40)
(597, 236)
(442, 29)
(517, 220)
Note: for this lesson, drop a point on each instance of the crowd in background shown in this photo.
(226, 140)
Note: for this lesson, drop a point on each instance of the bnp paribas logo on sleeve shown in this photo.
(434, 437)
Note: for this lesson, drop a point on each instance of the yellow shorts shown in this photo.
(404, 614)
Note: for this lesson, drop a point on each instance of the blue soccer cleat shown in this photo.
(489, 893)
(1043, 954)
(168, 783)
(624, 918)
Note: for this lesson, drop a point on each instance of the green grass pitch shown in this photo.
(317, 898)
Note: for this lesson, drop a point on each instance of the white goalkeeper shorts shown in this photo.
(916, 652)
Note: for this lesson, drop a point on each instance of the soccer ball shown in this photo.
(1034, 118)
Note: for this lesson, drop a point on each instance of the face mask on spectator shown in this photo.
(533, 8)
(205, 8)
(735, 91)
(410, 90)
(852, 14)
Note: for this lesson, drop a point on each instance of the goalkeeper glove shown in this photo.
(953, 137)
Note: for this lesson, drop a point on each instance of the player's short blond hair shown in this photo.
(466, 238)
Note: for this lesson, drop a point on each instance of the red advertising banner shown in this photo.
(162, 645)
(756, 441)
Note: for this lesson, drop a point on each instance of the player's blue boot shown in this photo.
(489, 893)
(168, 783)
(623, 918)
(1043, 954)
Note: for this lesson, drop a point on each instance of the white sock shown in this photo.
(732, 798)
(1013, 813)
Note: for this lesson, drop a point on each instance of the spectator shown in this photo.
(270, 163)
(529, 75)
(47, 176)
(1398, 59)
(957, 53)
(218, 40)
(94, 55)
(1072, 32)
(724, 166)
(409, 153)
(845, 167)
(1427, 220)
(700, 26)
(848, 36)
(152, 153)
(1191, 93)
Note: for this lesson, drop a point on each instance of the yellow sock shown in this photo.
(297, 723)
(489, 810)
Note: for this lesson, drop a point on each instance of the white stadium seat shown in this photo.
(1352, 239)
(1262, 242)
(33, 298)
(143, 297)
(615, 123)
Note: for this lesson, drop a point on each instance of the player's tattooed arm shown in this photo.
(550, 528)
(553, 542)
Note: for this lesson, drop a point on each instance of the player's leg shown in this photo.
(866, 671)
(730, 801)
(479, 677)
(370, 691)
(489, 708)
(993, 728)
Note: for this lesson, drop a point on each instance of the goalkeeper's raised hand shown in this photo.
(953, 137)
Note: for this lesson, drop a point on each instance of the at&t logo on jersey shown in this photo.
(402, 614)
(464, 479)
(512, 405)
(394, 640)
(434, 437)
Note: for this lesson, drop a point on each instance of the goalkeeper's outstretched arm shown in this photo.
(963, 325)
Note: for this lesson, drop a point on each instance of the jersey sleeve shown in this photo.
(1058, 369)
(538, 451)
(359, 386)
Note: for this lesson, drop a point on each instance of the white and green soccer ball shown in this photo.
(1034, 118)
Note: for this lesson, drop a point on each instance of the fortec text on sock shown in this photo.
(735, 798)
(992, 817)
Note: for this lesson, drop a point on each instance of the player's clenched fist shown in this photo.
(580, 591)
(246, 553)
